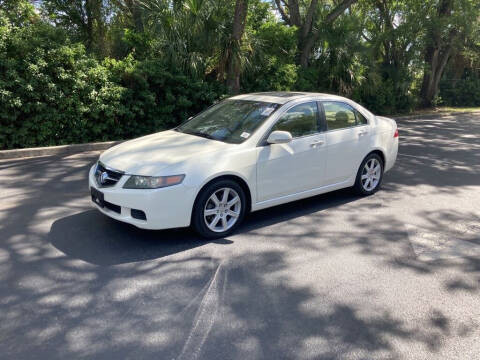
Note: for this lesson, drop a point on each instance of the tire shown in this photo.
(213, 220)
(370, 184)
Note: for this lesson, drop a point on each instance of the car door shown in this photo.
(347, 137)
(284, 169)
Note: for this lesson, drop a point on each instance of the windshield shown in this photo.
(231, 121)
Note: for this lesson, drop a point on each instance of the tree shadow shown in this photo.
(200, 308)
(86, 286)
(93, 237)
(440, 151)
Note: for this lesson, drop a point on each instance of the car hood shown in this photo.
(148, 155)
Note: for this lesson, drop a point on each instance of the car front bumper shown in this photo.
(164, 208)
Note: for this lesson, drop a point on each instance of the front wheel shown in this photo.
(219, 209)
(369, 176)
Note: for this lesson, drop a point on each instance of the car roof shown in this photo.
(282, 97)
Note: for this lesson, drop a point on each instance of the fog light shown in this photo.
(138, 214)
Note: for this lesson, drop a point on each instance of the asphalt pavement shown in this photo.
(391, 276)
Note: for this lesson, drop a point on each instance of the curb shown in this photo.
(55, 150)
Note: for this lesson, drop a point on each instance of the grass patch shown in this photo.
(458, 109)
(440, 110)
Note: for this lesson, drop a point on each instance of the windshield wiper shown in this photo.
(201, 134)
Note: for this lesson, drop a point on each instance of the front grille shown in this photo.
(106, 176)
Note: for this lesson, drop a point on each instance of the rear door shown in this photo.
(347, 137)
(285, 169)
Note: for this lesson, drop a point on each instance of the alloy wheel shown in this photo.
(222, 210)
(371, 174)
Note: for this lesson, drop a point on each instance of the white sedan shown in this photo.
(244, 154)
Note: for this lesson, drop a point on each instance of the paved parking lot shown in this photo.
(392, 276)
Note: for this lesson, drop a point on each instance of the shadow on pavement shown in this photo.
(251, 299)
(93, 237)
(97, 239)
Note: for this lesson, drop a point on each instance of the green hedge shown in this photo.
(52, 92)
(461, 92)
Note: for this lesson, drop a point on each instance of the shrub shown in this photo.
(385, 97)
(52, 92)
(157, 98)
(273, 66)
(461, 92)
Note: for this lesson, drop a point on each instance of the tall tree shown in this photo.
(133, 9)
(440, 44)
(451, 28)
(188, 32)
(392, 32)
(19, 12)
(291, 13)
(85, 19)
(233, 59)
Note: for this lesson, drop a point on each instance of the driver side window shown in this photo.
(301, 120)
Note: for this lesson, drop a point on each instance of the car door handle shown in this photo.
(363, 132)
(317, 143)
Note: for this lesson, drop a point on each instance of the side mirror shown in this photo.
(279, 137)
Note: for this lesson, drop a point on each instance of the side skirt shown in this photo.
(301, 195)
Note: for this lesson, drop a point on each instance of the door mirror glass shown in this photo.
(279, 137)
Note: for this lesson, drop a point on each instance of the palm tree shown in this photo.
(183, 30)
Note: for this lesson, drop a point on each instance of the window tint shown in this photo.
(339, 115)
(300, 120)
(361, 120)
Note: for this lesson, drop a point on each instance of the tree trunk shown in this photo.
(392, 56)
(437, 54)
(306, 50)
(306, 39)
(306, 34)
(437, 61)
(233, 61)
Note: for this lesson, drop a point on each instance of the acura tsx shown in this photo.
(243, 154)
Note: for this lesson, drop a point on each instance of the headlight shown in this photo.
(152, 182)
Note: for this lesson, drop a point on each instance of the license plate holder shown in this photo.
(97, 197)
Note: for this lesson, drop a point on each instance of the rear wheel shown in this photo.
(370, 175)
(219, 209)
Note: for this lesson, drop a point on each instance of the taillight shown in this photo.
(395, 135)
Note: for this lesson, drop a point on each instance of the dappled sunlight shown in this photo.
(333, 276)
